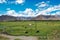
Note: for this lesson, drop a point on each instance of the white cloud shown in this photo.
(8, 9)
(11, 13)
(58, 13)
(42, 4)
(19, 1)
(48, 10)
(2, 1)
(12, 2)
(29, 12)
(26, 13)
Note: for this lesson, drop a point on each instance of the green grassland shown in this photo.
(30, 28)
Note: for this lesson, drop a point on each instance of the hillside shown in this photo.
(40, 17)
(7, 18)
(47, 17)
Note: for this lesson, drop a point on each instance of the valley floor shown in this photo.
(30, 30)
(20, 37)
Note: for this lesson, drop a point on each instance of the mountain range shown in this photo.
(40, 17)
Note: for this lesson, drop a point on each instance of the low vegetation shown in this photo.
(3, 38)
(17, 39)
(29, 28)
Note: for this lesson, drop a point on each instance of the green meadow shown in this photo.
(30, 28)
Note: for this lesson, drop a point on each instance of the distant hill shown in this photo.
(40, 17)
(47, 17)
(7, 18)
(12, 18)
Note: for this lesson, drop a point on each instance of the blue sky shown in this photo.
(29, 8)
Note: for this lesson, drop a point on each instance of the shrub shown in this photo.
(17, 39)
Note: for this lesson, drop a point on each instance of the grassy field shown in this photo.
(30, 28)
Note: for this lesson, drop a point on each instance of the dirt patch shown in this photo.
(20, 37)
